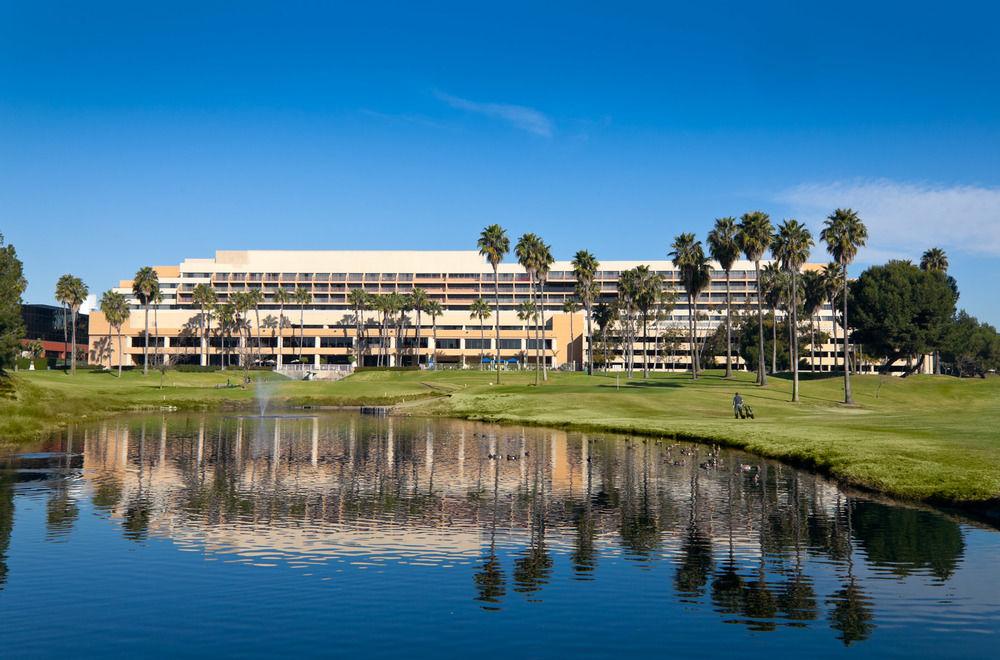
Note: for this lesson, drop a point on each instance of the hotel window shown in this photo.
(510, 344)
(355, 277)
(449, 344)
(479, 344)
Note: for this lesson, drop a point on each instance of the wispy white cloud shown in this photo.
(906, 218)
(519, 116)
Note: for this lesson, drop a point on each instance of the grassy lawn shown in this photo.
(926, 438)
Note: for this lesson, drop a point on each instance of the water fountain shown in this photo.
(262, 392)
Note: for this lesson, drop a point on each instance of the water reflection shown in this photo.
(750, 542)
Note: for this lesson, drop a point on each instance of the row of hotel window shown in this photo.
(408, 277)
(339, 342)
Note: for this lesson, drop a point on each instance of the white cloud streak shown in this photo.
(906, 218)
(519, 116)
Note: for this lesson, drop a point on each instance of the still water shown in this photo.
(343, 534)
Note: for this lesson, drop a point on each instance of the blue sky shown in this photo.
(134, 134)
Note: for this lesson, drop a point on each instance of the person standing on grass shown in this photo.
(737, 405)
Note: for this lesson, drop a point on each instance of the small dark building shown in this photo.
(44, 323)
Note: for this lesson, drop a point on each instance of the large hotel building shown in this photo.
(322, 331)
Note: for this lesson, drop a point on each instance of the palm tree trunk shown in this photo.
(482, 343)
(544, 348)
(691, 313)
(120, 352)
(795, 341)
(812, 343)
(729, 330)
(145, 344)
(418, 338)
(774, 340)
(156, 335)
(848, 397)
(590, 343)
(256, 313)
(302, 328)
(73, 347)
(281, 326)
(645, 347)
(569, 347)
(65, 333)
(761, 373)
(496, 315)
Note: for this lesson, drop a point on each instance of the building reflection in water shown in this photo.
(743, 536)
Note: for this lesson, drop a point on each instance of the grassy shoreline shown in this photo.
(925, 438)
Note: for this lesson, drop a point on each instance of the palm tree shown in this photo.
(844, 234)
(62, 297)
(696, 273)
(302, 297)
(934, 260)
(571, 307)
(494, 245)
(648, 286)
(434, 310)
(74, 294)
(282, 297)
(204, 296)
(774, 290)
(144, 286)
(255, 298)
(628, 290)
(605, 316)
(724, 246)
(527, 313)
(544, 262)
(242, 303)
(418, 302)
(269, 322)
(527, 253)
(114, 306)
(585, 267)
(814, 297)
(791, 247)
(226, 314)
(754, 238)
(156, 300)
(480, 310)
(831, 275)
(359, 301)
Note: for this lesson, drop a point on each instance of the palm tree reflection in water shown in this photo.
(741, 537)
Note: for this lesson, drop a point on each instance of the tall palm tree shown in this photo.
(204, 296)
(242, 303)
(145, 284)
(62, 297)
(527, 253)
(302, 297)
(774, 291)
(628, 291)
(724, 246)
(494, 245)
(156, 301)
(571, 306)
(419, 301)
(269, 322)
(754, 237)
(791, 246)
(844, 234)
(647, 292)
(282, 297)
(935, 260)
(114, 306)
(359, 300)
(696, 273)
(814, 297)
(255, 298)
(434, 310)
(226, 314)
(585, 267)
(543, 262)
(604, 316)
(480, 310)
(526, 313)
(75, 293)
(832, 274)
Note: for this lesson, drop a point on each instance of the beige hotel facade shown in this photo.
(453, 278)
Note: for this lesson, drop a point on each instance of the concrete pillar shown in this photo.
(281, 345)
(316, 354)
(204, 352)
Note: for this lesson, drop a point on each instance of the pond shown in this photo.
(341, 534)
